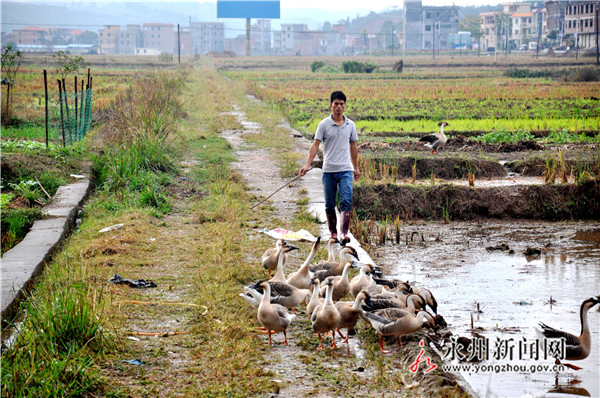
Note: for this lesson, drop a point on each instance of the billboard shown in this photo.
(269, 9)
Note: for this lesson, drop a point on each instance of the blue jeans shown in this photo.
(342, 181)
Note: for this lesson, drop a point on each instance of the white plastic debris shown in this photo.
(112, 228)
(77, 176)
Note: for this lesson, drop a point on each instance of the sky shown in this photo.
(329, 5)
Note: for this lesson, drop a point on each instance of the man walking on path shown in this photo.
(340, 163)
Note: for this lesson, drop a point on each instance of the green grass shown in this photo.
(27, 132)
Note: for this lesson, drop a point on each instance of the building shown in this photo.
(290, 40)
(32, 39)
(159, 36)
(207, 37)
(427, 28)
(580, 22)
(130, 38)
(489, 30)
(260, 34)
(412, 25)
(523, 28)
(440, 28)
(108, 39)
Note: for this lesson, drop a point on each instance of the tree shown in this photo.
(471, 23)
(11, 61)
(326, 26)
(87, 37)
(66, 64)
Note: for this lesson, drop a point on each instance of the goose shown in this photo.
(349, 312)
(281, 255)
(577, 347)
(301, 278)
(387, 300)
(405, 323)
(341, 284)
(251, 296)
(324, 270)
(395, 284)
(361, 280)
(429, 299)
(270, 256)
(325, 318)
(274, 317)
(330, 251)
(281, 293)
(436, 141)
(315, 301)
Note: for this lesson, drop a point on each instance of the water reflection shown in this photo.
(463, 274)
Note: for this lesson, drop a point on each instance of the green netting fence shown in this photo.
(74, 116)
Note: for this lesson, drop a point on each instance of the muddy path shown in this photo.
(298, 369)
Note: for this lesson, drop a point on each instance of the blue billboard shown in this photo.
(269, 9)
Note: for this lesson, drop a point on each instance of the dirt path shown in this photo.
(299, 370)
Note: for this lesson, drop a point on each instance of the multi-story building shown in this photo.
(260, 34)
(130, 38)
(207, 37)
(489, 30)
(580, 22)
(440, 28)
(426, 28)
(32, 39)
(159, 36)
(291, 39)
(108, 39)
(523, 28)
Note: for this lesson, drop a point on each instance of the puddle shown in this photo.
(513, 291)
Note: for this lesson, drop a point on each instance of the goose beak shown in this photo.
(290, 247)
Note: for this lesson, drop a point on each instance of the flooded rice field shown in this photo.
(483, 280)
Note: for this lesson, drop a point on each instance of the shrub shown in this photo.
(358, 67)
(315, 66)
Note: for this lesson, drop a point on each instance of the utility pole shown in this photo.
(452, 30)
(393, 33)
(597, 44)
(178, 47)
(433, 40)
(248, 37)
(506, 43)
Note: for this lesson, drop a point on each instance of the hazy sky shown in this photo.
(330, 5)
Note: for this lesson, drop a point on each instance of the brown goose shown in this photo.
(361, 280)
(282, 254)
(324, 270)
(330, 251)
(436, 141)
(577, 347)
(274, 317)
(349, 312)
(315, 301)
(326, 317)
(270, 256)
(301, 278)
(281, 293)
(404, 324)
(341, 284)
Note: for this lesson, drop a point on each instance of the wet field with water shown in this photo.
(483, 280)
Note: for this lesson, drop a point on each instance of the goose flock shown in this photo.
(391, 307)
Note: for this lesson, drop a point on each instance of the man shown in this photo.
(340, 163)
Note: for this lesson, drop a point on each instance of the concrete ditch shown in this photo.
(21, 264)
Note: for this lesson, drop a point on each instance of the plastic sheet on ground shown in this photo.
(280, 233)
(138, 283)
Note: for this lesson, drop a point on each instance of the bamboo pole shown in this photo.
(62, 119)
(46, 95)
(76, 112)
